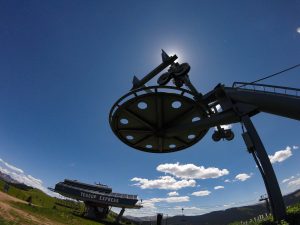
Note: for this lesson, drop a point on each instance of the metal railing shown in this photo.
(268, 88)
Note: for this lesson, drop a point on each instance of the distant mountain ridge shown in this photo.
(222, 217)
(8, 179)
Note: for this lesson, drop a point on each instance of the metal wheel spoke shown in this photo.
(160, 144)
(142, 139)
(159, 111)
(179, 116)
(180, 140)
(140, 119)
(129, 130)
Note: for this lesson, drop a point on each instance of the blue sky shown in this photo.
(63, 64)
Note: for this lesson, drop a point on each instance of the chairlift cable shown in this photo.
(272, 75)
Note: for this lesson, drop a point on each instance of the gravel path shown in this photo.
(10, 213)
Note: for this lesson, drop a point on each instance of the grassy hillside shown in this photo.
(242, 213)
(44, 210)
(293, 218)
(38, 197)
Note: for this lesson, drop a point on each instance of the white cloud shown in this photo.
(150, 207)
(229, 204)
(218, 187)
(11, 167)
(150, 203)
(298, 30)
(187, 208)
(285, 180)
(191, 171)
(227, 181)
(294, 183)
(281, 155)
(19, 175)
(243, 176)
(201, 193)
(295, 147)
(164, 182)
(170, 199)
(288, 179)
(173, 193)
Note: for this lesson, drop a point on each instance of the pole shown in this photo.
(267, 172)
(120, 215)
(266, 199)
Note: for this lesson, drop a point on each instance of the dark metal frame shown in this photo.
(149, 130)
(238, 104)
(263, 162)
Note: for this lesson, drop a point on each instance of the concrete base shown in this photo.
(95, 212)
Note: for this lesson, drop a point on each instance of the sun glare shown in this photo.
(173, 51)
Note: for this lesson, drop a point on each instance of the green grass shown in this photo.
(293, 218)
(43, 206)
(38, 197)
(4, 222)
(58, 214)
(17, 221)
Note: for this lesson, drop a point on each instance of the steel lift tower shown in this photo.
(162, 119)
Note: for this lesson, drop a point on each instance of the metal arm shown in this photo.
(275, 103)
(167, 61)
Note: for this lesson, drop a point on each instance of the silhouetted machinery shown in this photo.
(159, 218)
(162, 119)
(97, 198)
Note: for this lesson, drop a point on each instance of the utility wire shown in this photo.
(272, 75)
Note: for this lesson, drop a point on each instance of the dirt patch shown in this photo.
(7, 198)
(10, 213)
